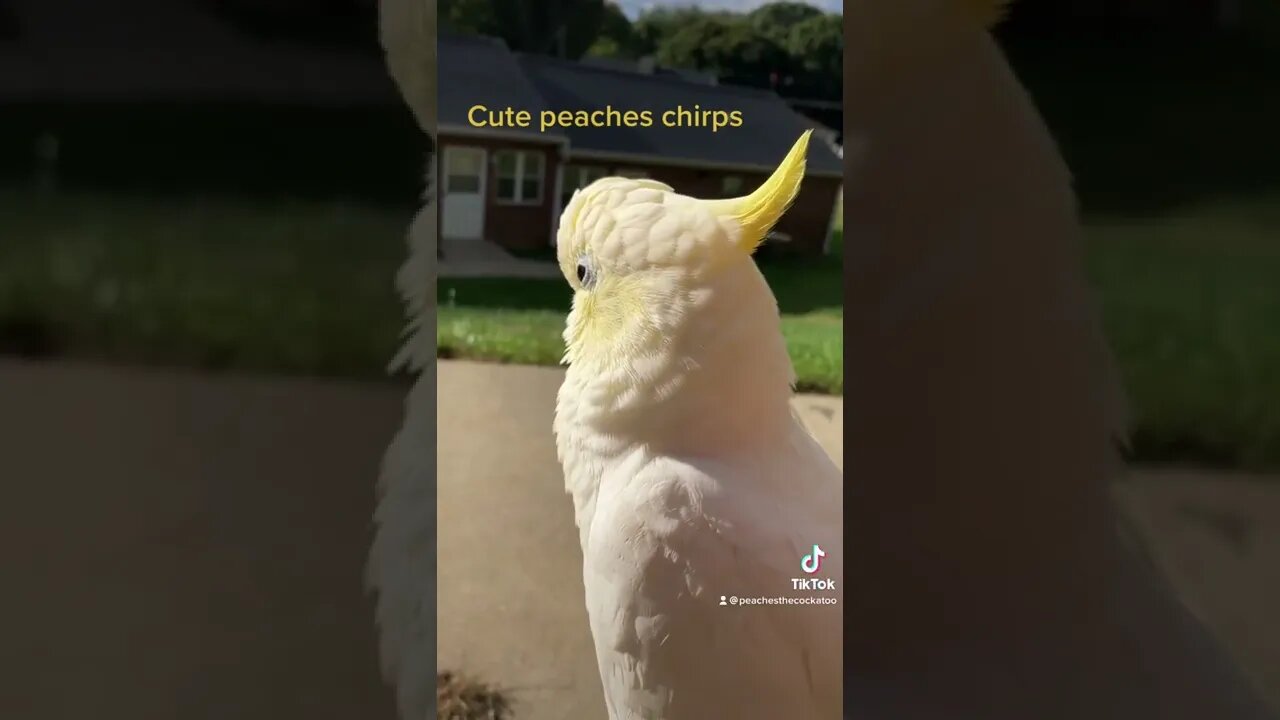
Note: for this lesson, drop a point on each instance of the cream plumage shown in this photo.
(983, 436)
(691, 478)
(402, 559)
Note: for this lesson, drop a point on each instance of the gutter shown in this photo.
(642, 159)
(468, 131)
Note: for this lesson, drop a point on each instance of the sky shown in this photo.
(632, 8)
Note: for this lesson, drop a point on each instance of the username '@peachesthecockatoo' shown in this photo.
(402, 560)
(691, 476)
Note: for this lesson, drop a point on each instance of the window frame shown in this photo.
(451, 154)
(521, 174)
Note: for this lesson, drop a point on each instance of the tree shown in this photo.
(655, 26)
(790, 46)
(817, 46)
(776, 20)
(618, 37)
(728, 46)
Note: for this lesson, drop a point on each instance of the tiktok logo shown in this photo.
(812, 562)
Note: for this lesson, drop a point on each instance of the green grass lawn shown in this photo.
(1191, 303)
(521, 320)
(282, 287)
(1191, 306)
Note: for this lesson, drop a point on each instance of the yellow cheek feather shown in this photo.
(602, 327)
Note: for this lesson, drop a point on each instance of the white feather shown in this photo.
(692, 479)
(402, 559)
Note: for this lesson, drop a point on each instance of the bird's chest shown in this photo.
(592, 460)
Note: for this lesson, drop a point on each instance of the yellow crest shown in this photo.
(758, 212)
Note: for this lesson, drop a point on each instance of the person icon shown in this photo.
(722, 600)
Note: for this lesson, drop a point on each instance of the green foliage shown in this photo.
(730, 47)
(522, 320)
(817, 44)
(655, 26)
(617, 38)
(1189, 301)
(797, 44)
(776, 20)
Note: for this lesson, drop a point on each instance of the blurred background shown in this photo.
(203, 205)
(184, 180)
(199, 182)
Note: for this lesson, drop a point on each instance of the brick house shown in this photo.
(508, 185)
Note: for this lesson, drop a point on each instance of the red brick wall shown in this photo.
(517, 227)
(529, 227)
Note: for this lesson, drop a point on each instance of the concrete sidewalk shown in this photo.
(509, 567)
(177, 546)
(1217, 537)
(484, 258)
(189, 546)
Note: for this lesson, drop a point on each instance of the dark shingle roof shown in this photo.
(483, 70)
(768, 130)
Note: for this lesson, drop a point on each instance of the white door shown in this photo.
(462, 213)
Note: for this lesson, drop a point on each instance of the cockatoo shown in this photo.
(985, 408)
(691, 477)
(402, 559)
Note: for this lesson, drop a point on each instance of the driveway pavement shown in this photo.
(1218, 539)
(510, 568)
(185, 546)
(181, 547)
(483, 258)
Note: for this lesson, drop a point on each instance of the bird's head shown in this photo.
(646, 262)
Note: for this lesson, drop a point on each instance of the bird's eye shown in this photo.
(586, 275)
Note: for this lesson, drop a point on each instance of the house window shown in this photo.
(731, 186)
(520, 176)
(577, 177)
(463, 167)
